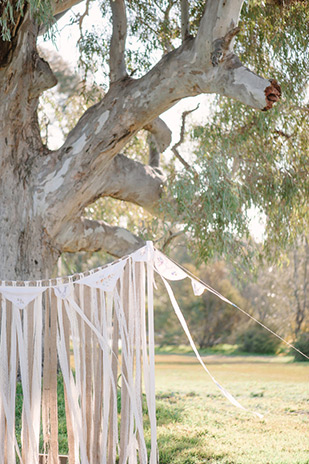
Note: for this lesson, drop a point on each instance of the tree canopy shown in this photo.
(153, 54)
(249, 162)
(246, 162)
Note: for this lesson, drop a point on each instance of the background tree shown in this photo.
(211, 320)
(279, 295)
(44, 192)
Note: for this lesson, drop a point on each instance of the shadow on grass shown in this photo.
(176, 448)
(177, 442)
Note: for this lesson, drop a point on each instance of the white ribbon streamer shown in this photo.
(187, 332)
(117, 308)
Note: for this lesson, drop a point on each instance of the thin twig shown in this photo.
(82, 17)
(171, 237)
(279, 132)
(181, 140)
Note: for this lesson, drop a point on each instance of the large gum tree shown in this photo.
(43, 193)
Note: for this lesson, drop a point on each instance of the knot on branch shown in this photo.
(272, 94)
(43, 77)
(222, 45)
(158, 140)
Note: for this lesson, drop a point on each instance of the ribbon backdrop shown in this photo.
(98, 329)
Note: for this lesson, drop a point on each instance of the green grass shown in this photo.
(196, 424)
(203, 427)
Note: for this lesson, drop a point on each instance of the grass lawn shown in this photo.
(196, 424)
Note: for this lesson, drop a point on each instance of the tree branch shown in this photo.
(170, 238)
(82, 17)
(60, 9)
(214, 46)
(75, 175)
(184, 19)
(88, 235)
(219, 18)
(135, 182)
(62, 6)
(124, 179)
(181, 140)
(159, 139)
(238, 82)
(117, 63)
(167, 44)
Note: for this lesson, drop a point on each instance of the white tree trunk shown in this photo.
(43, 193)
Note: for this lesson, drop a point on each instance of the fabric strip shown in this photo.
(187, 332)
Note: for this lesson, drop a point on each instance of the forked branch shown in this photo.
(181, 139)
(80, 170)
(219, 19)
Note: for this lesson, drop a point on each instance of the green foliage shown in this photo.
(156, 26)
(211, 320)
(302, 343)
(7, 18)
(212, 208)
(274, 40)
(153, 29)
(258, 340)
(245, 160)
(248, 160)
(11, 11)
(94, 52)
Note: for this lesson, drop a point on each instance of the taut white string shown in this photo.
(215, 292)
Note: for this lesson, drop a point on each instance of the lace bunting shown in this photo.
(98, 329)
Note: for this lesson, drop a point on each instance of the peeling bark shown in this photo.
(272, 94)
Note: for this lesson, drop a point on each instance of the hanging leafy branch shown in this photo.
(247, 159)
(11, 11)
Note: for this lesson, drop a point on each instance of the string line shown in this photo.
(215, 292)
